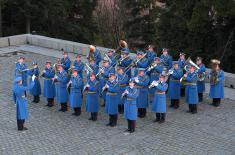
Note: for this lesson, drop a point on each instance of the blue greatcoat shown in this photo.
(112, 98)
(125, 63)
(79, 65)
(104, 78)
(123, 82)
(75, 98)
(154, 76)
(36, 90)
(130, 108)
(21, 101)
(20, 70)
(191, 88)
(174, 84)
(181, 63)
(217, 90)
(142, 100)
(66, 63)
(150, 56)
(159, 100)
(49, 86)
(143, 63)
(61, 86)
(201, 84)
(92, 99)
(167, 61)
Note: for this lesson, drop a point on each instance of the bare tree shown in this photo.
(110, 16)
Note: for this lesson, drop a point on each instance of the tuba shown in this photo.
(214, 73)
(55, 66)
(91, 52)
(188, 62)
(122, 44)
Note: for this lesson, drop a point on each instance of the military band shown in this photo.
(127, 86)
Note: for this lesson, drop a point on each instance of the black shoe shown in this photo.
(25, 128)
(90, 118)
(75, 114)
(108, 124)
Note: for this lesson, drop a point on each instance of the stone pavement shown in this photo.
(211, 131)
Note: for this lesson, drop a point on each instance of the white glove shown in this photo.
(107, 86)
(33, 77)
(44, 71)
(137, 80)
(56, 77)
(70, 82)
(155, 83)
(87, 85)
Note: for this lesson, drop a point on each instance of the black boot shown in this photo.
(94, 116)
(162, 117)
(37, 99)
(182, 91)
(200, 97)
(110, 120)
(61, 107)
(177, 103)
(194, 111)
(34, 99)
(50, 102)
(190, 108)
(65, 107)
(172, 103)
(114, 120)
(144, 112)
(157, 117)
(20, 124)
(129, 126)
(122, 108)
(217, 102)
(76, 111)
(132, 125)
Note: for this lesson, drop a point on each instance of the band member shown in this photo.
(125, 61)
(181, 60)
(36, 90)
(75, 97)
(159, 101)
(123, 81)
(21, 70)
(181, 65)
(65, 61)
(130, 111)
(49, 86)
(61, 79)
(142, 61)
(166, 59)
(104, 72)
(112, 99)
(200, 82)
(151, 54)
(174, 85)
(112, 57)
(94, 54)
(155, 69)
(94, 67)
(191, 89)
(79, 65)
(21, 101)
(216, 83)
(92, 99)
(142, 82)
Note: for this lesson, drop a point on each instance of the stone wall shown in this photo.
(70, 46)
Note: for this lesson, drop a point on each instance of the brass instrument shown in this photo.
(55, 66)
(170, 71)
(122, 44)
(188, 62)
(107, 57)
(154, 83)
(214, 73)
(121, 59)
(152, 66)
(91, 50)
(88, 69)
(98, 74)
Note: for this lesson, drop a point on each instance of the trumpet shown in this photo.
(121, 59)
(55, 66)
(88, 68)
(104, 88)
(154, 83)
(107, 57)
(98, 74)
(152, 66)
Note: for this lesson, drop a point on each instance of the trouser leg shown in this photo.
(132, 126)
(94, 116)
(172, 103)
(182, 91)
(144, 112)
(217, 102)
(110, 120)
(114, 120)
(190, 107)
(139, 112)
